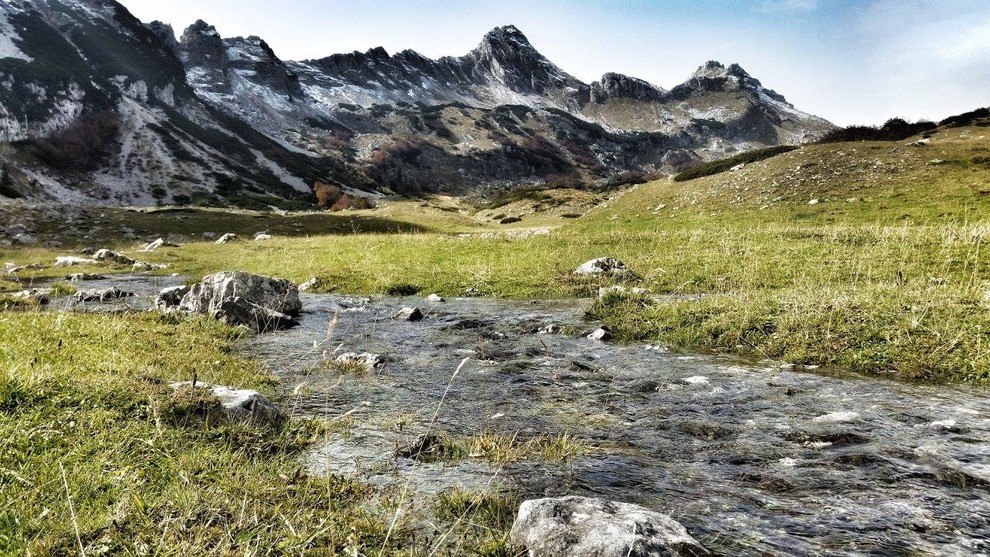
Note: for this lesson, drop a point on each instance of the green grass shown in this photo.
(90, 457)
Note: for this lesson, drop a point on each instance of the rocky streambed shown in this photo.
(752, 458)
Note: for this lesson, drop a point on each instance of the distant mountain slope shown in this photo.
(209, 119)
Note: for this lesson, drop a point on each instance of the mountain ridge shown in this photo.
(498, 116)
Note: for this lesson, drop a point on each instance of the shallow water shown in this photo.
(750, 458)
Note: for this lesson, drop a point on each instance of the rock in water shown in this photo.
(602, 266)
(171, 297)
(592, 527)
(409, 314)
(105, 295)
(237, 298)
(601, 333)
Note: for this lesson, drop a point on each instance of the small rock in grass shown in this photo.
(118, 258)
(227, 238)
(602, 266)
(222, 404)
(72, 261)
(310, 284)
(409, 314)
(435, 299)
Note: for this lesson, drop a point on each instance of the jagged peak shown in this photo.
(200, 28)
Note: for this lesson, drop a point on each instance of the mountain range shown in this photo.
(97, 106)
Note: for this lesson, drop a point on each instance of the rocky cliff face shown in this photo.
(215, 120)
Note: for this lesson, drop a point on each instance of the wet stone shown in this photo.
(409, 314)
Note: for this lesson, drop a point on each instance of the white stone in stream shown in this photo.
(367, 359)
(601, 333)
(78, 277)
(435, 299)
(72, 261)
(592, 527)
(839, 418)
(104, 295)
(239, 405)
(409, 314)
(169, 298)
(602, 266)
(226, 238)
(696, 380)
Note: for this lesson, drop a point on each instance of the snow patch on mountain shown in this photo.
(8, 48)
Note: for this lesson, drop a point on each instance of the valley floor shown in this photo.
(861, 258)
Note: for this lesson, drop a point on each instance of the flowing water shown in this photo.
(751, 458)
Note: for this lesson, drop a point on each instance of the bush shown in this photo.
(81, 146)
(326, 194)
(966, 118)
(895, 129)
(7, 184)
(723, 165)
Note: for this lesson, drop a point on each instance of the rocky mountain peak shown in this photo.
(506, 56)
(615, 85)
(165, 33)
(201, 45)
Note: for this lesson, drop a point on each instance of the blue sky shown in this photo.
(851, 61)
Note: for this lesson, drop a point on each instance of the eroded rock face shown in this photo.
(592, 527)
(237, 298)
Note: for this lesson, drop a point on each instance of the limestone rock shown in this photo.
(104, 295)
(227, 238)
(601, 333)
(592, 527)
(602, 266)
(169, 298)
(72, 261)
(109, 256)
(79, 277)
(234, 405)
(238, 298)
(409, 314)
(369, 360)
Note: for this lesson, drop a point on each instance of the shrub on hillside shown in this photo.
(966, 118)
(895, 129)
(81, 146)
(723, 165)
